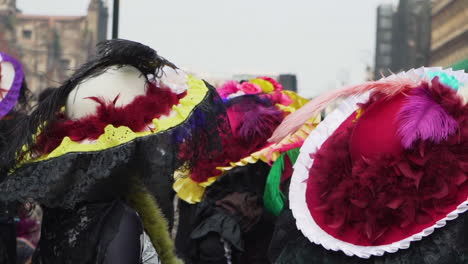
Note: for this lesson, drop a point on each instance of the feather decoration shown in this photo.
(423, 118)
(253, 119)
(273, 197)
(258, 122)
(295, 120)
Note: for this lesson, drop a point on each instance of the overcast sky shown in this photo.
(323, 42)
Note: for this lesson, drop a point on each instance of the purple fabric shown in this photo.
(423, 118)
(11, 98)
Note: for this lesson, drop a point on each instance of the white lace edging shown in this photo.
(298, 187)
(422, 74)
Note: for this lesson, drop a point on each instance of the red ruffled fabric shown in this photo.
(382, 199)
(137, 116)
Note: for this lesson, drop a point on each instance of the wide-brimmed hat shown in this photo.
(385, 168)
(126, 110)
(255, 108)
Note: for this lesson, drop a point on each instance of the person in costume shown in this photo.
(98, 155)
(13, 105)
(383, 179)
(229, 223)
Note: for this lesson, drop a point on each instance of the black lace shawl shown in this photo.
(81, 235)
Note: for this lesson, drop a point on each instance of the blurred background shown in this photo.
(311, 46)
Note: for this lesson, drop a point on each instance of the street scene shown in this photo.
(234, 132)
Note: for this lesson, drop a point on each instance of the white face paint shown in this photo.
(8, 75)
(126, 82)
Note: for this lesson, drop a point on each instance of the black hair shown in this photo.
(45, 93)
(23, 105)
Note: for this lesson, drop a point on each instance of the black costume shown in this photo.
(103, 177)
(231, 224)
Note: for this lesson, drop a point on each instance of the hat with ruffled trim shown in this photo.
(385, 168)
(255, 108)
(11, 81)
(125, 110)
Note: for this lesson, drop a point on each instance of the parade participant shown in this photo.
(383, 179)
(13, 104)
(98, 148)
(230, 224)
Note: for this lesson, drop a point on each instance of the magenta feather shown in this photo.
(260, 123)
(423, 118)
(254, 120)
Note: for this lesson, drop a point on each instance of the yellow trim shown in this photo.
(115, 136)
(192, 192)
(297, 100)
(187, 189)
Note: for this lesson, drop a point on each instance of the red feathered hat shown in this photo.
(387, 167)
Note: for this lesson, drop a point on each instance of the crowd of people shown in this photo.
(132, 160)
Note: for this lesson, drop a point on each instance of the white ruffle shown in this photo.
(298, 187)
(422, 74)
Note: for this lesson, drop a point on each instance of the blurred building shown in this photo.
(403, 36)
(49, 46)
(384, 38)
(289, 81)
(369, 73)
(449, 44)
(411, 35)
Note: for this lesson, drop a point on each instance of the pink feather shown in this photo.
(423, 118)
(295, 120)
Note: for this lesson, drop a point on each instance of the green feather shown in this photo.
(293, 154)
(273, 197)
